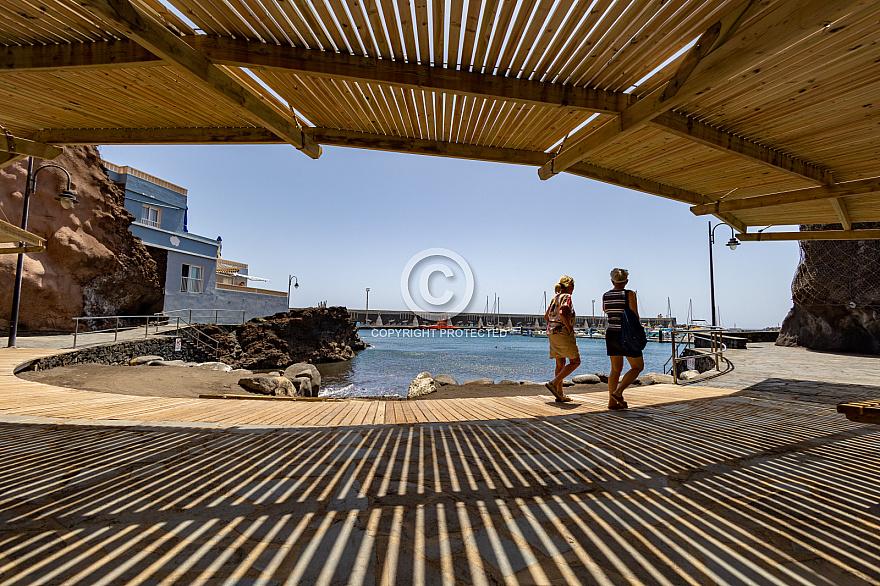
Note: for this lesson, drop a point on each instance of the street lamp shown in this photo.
(295, 286)
(67, 199)
(367, 308)
(732, 244)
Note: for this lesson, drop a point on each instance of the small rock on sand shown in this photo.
(659, 379)
(567, 383)
(689, 375)
(422, 385)
(218, 366)
(143, 360)
(586, 379)
(507, 382)
(166, 363)
(479, 381)
(445, 379)
(603, 378)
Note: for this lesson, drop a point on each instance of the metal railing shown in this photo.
(182, 324)
(687, 338)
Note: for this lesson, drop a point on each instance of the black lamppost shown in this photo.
(67, 199)
(295, 286)
(732, 243)
(367, 308)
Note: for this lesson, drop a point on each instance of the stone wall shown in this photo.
(121, 352)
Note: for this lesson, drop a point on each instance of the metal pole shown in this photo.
(711, 273)
(216, 318)
(16, 292)
(190, 317)
(116, 331)
(178, 325)
(367, 308)
(147, 327)
(75, 332)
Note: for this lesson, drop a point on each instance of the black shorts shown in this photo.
(615, 348)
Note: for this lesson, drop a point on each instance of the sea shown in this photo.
(395, 357)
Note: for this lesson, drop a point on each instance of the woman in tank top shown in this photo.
(613, 304)
(560, 332)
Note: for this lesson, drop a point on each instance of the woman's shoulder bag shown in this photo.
(632, 334)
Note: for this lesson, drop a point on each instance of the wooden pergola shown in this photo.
(760, 112)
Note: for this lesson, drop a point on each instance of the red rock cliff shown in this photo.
(92, 264)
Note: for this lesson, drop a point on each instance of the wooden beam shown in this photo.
(726, 142)
(840, 209)
(11, 233)
(245, 135)
(719, 53)
(858, 187)
(331, 137)
(811, 235)
(259, 55)
(140, 27)
(28, 148)
(243, 53)
(75, 56)
(7, 159)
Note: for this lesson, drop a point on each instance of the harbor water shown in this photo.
(395, 357)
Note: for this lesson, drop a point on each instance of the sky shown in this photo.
(354, 218)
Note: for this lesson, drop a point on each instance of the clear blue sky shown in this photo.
(353, 218)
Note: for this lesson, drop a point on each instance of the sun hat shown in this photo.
(619, 275)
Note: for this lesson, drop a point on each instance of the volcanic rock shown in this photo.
(269, 385)
(835, 291)
(93, 265)
(445, 379)
(313, 334)
(304, 369)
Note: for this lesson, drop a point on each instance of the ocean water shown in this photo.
(397, 356)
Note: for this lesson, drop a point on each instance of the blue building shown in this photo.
(194, 274)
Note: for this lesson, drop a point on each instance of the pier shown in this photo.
(400, 318)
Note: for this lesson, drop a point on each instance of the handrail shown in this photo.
(716, 347)
(163, 318)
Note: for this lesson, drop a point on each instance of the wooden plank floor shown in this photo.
(26, 398)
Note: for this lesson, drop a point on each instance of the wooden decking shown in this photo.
(19, 397)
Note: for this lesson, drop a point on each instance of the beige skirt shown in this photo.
(563, 345)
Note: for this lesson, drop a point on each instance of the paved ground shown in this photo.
(760, 484)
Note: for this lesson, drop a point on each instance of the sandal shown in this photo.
(618, 403)
(563, 398)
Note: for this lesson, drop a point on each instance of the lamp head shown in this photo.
(296, 285)
(732, 243)
(67, 199)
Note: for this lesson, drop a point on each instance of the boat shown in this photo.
(443, 324)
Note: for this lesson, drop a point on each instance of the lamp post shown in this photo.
(295, 286)
(593, 315)
(367, 308)
(732, 244)
(66, 198)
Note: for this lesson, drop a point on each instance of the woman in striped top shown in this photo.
(613, 304)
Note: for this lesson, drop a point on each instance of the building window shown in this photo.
(191, 279)
(151, 216)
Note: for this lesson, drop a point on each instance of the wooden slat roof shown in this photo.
(696, 100)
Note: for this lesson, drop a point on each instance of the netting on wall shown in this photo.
(838, 272)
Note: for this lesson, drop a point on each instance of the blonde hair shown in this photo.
(564, 283)
(619, 275)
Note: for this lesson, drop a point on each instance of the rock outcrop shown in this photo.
(92, 264)
(836, 294)
(312, 335)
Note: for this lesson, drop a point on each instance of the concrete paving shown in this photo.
(766, 485)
